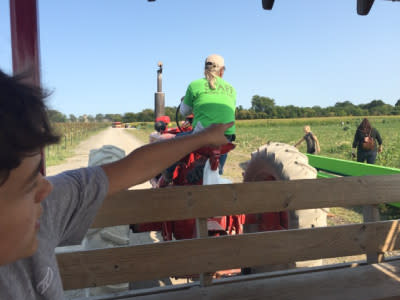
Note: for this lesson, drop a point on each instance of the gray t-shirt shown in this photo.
(67, 214)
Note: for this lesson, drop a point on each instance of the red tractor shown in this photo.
(273, 161)
(188, 171)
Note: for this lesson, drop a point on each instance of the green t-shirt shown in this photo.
(212, 106)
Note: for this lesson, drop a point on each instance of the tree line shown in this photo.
(261, 108)
(265, 108)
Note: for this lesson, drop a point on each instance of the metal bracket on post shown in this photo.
(159, 97)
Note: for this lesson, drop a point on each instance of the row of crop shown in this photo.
(340, 121)
(70, 134)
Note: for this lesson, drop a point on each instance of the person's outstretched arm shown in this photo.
(299, 142)
(147, 161)
(355, 143)
(378, 137)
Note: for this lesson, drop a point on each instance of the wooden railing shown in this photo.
(204, 255)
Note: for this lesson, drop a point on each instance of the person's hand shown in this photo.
(353, 154)
(318, 150)
(214, 134)
(380, 149)
(185, 124)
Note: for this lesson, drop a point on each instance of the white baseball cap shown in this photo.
(216, 60)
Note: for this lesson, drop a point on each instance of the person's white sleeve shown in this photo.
(185, 109)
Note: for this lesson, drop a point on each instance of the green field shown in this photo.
(335, 139)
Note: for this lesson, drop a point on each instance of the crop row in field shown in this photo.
(70, 135)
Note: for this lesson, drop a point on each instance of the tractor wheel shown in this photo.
(279, 161)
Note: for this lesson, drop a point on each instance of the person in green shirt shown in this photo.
(212, 100)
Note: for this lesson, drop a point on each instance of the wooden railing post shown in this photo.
(201, 232)
(371, 214)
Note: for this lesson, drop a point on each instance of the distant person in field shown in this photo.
(311, 141)
(37, 213)
(365, 141)
(212, 100)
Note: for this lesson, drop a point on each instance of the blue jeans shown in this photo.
(223, 157)
(369, 156)
(222, 160)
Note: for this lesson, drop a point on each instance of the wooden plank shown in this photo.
(371, 214)
(202, 232)
(179, 258)
(227, 280)
(370, 282)
(178, 203)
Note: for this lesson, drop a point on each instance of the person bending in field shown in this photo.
(38, 214)
(311, 141)
(365, 140)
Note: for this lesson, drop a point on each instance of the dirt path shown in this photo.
(118, 137)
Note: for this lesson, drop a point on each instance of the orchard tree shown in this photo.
(72, 118)
(56, 116)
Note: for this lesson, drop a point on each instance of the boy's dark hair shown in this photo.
(24, 125)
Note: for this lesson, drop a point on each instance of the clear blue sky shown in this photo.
(100, 56)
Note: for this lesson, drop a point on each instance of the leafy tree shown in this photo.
(56, 116)
(99, 118)
(373, 104)
(262, 104)
(129, 117)
(170, 111)
(146, 115)
(72, 118)
(114, 117)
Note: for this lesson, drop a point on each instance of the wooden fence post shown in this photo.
(371, 214)
(202, 231)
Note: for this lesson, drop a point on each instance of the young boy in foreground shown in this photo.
(38, 214)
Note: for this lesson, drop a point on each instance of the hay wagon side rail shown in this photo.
(375, 279)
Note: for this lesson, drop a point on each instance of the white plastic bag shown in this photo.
(213, 177)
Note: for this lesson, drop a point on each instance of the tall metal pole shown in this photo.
(25, 43)
(25, 39)
(159, 96)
